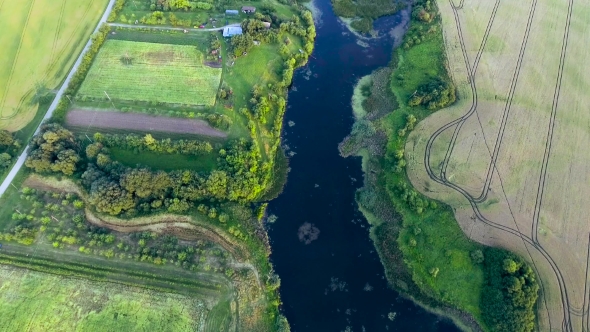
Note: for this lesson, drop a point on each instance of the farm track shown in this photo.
(566, 324)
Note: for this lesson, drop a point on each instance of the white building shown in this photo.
(231, 31)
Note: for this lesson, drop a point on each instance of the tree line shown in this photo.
(115, 189)
(147, 143)
(510, 292)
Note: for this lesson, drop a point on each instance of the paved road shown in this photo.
(21, 159)
(170, 28)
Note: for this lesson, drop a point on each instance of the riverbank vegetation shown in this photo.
(363, 12)
(423, 249)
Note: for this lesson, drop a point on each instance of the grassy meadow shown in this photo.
(151, 72)
(41, 39)
(204, 163)
(82, 305)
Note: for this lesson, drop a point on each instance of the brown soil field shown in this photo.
(511, 155)
(140, 122)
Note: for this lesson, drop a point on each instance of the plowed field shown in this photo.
(140, 122)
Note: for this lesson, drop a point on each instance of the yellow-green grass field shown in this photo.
(173, 74)
(517, 171)
(36, 301)
(40, 41)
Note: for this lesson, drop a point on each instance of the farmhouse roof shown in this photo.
(231, 31)
(248, 9)
(232, 12)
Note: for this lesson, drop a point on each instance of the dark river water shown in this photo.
(337, 281)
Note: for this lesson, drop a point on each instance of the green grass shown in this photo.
(412, 244)
(201, 39)
(441, 242)
(219, 318)
(55, 303)
(261, 66)
(157, 72)
(204, 163)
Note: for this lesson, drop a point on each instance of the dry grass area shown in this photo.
(511, 155)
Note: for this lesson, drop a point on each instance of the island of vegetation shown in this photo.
(153, 171)
(425, 253)
(360, 14)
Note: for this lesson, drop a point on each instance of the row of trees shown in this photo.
(7, 149)
(147, 143)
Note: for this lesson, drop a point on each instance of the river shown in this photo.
(335, 282)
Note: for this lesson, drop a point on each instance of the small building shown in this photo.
(248, 9)
(232, 12)
(232, 31)
(266, 24)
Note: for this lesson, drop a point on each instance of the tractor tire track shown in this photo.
(532, 241)
(20, 44)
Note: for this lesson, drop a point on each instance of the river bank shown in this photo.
(331, 276)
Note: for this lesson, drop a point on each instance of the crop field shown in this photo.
(173, 74)
(41, 39)
(56, 303)
(511, 155)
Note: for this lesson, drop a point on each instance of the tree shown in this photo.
(109, 197)
(53, 150)
(5, 159)
(6, 138)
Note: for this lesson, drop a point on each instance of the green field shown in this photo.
(40, 41)
(55, 303)
(173, 74)
(173, 162)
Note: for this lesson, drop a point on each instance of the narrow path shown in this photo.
(21, 159)
(155, 27)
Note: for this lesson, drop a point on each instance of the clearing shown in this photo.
(85, 305)
(153, 72)
(40, 40)
(511, 155)
(140, 122)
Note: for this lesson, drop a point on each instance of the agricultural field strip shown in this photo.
(21, 160)
(442, 179)
(137, 121)
(156, 72)
(54, 58)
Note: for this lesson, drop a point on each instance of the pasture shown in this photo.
(511, 155)
(61, 303)
(151, 72)
(41, 40)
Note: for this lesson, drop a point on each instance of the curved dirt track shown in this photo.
(483, 191)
